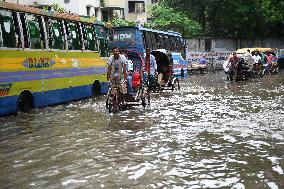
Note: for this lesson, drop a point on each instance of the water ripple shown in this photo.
(211, 134)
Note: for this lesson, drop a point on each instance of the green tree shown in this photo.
(234, 18)
(116, 22)
(166, 18)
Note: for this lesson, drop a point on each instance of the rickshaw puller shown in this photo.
(117, 69)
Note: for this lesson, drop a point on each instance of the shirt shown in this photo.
(202, 61)
(121, 60)
(129, 65)
(256, 58)
(153, 64)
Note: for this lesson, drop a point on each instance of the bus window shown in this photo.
(172, 43)
(144, 39)
(25, 32)
(161, 40)
(55, 34)
(73, 36)
(1, 41)
(99, 31)
(157, 39)
(167, 42)
(154, 42)
(34, 31)
(42, 32)
(8, 33)
(89, 38)
(149, 40)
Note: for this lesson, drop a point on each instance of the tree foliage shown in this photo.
(116, 22)
(166, 18)
(234, 18)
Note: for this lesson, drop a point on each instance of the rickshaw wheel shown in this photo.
(148, 98)
(107, 100)
(109, 108)
(175, 81)
(143, 102)
(114, 107)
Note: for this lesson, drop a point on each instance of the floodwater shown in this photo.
(212, 133)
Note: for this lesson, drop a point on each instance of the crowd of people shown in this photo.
(255, 62)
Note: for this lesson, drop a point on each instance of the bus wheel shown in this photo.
(25, 102)
(96, 88)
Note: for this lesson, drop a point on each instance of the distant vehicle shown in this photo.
(243, 50)
(47, 58)
(179, 65)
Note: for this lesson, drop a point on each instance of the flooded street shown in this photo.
(211, 134)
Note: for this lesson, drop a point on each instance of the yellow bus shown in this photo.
(46, 59)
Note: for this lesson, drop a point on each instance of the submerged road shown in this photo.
(211, 134)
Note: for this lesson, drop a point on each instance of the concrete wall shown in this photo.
(227, 44)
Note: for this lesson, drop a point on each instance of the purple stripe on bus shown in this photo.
(40, 72)
(50, 76)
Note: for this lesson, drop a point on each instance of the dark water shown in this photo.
(211, 134)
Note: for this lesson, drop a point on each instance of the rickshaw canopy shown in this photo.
(243, 50)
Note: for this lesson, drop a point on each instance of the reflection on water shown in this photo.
(211, 134)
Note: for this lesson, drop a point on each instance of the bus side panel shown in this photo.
(58, 96)
(64, 77)
(8, 105)
(104, 87)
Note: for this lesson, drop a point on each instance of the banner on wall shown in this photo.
(213, 56)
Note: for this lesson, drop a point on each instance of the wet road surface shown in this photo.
(211, 134)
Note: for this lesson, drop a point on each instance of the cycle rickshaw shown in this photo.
(134, 92)
(165, 79)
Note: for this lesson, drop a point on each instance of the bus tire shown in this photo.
(25, 102)
(96, 88)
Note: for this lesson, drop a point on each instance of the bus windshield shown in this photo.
(127, 38)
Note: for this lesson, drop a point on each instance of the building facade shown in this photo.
(82, 8)
(103, 10)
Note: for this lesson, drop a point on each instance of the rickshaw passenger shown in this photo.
(163, 76)
(117, 69)
(136, 80)
(129, 68)
(202, 61)
(248, 58)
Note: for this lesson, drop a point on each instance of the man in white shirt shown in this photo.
(150, 63)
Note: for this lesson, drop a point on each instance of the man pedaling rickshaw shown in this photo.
(117, 70)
